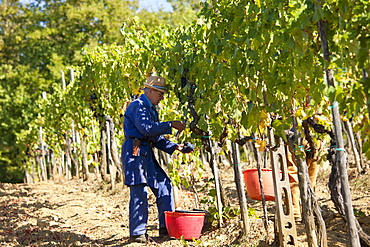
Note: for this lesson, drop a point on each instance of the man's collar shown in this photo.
(146, 100)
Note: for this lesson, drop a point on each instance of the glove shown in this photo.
(188, 148)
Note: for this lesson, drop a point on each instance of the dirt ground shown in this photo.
(77, 213)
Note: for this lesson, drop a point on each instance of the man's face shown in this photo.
(155, 96)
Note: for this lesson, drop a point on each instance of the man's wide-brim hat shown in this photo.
(156, 82)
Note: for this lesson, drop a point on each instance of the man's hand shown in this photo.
(185, 148)
(180, 147)
(180, 126)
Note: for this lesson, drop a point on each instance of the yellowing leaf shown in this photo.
(174, 111)
(261, 145)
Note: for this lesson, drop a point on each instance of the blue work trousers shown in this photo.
(139, 204)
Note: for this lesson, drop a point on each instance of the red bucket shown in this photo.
(252, 184)
(185, 223)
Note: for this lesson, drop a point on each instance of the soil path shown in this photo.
(76, 213)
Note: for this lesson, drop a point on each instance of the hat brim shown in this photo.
(155, 88)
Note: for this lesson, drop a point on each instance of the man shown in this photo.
(143, 131)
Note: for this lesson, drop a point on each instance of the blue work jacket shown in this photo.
(141, 122)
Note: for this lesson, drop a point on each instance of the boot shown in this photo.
(138, 238)
(163, 232)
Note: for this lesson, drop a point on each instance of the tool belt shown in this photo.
(136, 145)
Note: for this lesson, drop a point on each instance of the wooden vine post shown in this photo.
(68, 157)
(240, 186)
(216, 175)
(258, 158)
(364, 78)
(42, 155)
(109, 160)
(103, 162)
(341, 154)
(44, 173)
(73, 150)
(356, 154)
(207, 142)
(85, 167)
(316, 236)
(111, 164)
(113, 154)
(283, 199)
(53, 164)
(64, 154)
